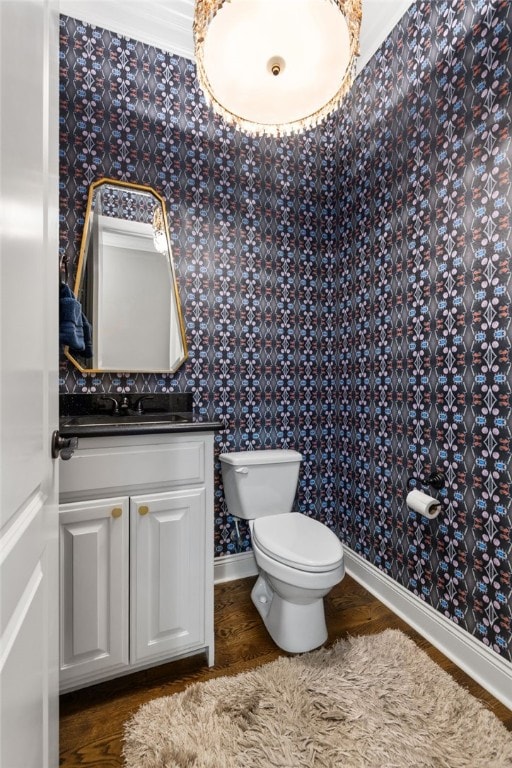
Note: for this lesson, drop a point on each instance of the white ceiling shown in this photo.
(168, 25)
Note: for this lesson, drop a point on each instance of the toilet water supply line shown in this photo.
(238, 536)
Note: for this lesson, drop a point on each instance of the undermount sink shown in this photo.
(105, 419)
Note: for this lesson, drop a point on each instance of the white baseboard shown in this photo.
(233, 567)
(481, 663)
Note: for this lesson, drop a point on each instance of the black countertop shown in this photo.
(119, 414)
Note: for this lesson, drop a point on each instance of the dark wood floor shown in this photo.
(92, 719)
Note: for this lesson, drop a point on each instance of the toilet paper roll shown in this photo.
(423, 504)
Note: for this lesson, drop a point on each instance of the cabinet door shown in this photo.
(94, 584)
(167, 573)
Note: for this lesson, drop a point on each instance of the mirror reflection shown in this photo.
(126, 283)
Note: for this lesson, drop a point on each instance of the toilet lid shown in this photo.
(297, 540)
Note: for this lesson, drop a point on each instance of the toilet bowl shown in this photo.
(299, 559)
(288, 598)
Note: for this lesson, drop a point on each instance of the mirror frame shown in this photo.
(82, 262)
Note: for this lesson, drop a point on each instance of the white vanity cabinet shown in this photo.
(136, 554)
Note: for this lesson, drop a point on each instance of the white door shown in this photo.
(28, 384)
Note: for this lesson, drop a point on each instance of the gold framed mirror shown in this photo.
(126, 284)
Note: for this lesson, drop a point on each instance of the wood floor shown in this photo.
(91, 720)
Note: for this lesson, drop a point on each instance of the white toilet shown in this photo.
(299, 558)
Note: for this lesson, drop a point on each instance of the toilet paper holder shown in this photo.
(436, 480)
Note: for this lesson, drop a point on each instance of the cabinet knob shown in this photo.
(143, 509)
(117, 512)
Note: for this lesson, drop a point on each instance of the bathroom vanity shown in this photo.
(136, 545)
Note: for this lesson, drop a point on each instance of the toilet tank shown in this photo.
(260, 483)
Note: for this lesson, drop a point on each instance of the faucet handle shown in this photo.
(124, 405)
(138, 403)
(115, 408)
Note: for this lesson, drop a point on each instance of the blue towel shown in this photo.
(75, 329)
(87, 337)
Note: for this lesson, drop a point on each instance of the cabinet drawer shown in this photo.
(102, 464)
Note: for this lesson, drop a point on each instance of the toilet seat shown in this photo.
(298, 541)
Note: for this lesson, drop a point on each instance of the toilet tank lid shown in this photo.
(272, 456)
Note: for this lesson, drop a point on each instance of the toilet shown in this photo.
(299, 559)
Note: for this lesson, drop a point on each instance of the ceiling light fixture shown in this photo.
(276, 67)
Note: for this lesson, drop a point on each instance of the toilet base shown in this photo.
(295, 627)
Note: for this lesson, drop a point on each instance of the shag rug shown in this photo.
(369, 702)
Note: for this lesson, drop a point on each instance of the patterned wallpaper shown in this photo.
(247, 229)
(423, 310)
(346, 292)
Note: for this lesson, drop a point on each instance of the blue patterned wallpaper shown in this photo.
(423, 310)
(346, 292)
(247, 227)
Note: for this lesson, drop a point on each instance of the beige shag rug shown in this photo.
(369, 702)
